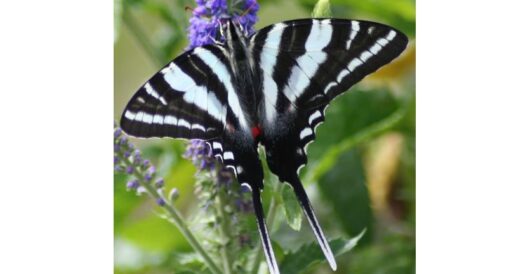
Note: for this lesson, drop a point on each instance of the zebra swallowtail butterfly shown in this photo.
(271, 88)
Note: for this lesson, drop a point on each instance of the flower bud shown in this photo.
(174, 194)
(159, 183)
(133, 185)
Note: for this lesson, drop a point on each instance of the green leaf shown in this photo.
(322, 9)
(310, 254)
(118, 7)
(350, 120)
(291, 208)
(344, 187)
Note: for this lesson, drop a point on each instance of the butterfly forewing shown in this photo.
(314, 60)
(306, 63)
(183, 100)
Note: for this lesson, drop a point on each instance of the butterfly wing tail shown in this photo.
(308, 210)
(264, 234)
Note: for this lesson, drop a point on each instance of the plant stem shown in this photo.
(271, 217)
(178, 220)
(225, 231)
(142, 38)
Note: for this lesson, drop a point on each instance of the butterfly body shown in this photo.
(271, 88)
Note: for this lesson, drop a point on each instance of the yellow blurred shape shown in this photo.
(394, 72)
(381, 166)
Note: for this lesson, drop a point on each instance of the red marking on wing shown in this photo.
(256, 131)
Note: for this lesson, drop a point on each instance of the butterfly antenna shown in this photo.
(264, 234)
(308, 210)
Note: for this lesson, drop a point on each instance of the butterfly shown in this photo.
(270, 88)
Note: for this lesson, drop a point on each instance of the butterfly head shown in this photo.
(231, 30)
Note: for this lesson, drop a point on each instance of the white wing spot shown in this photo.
(305, 132)
(329, 86)
(177, 79)
(375, 48)
(199, 127)
(147, 118)
(354, 64)
(184, 123)
(151, 91)
(355, 29)
(217, 145)
(314, 116)
(158, 119)
(138, 116)
(170, 120)
(382, 41)
(391, 35)
(129, 115)
(228, 155)
(342, 74)
(366, 55)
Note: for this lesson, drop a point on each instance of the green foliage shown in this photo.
(321, 9)
(398, 13)
(308, 255)
(344, 187)
(291, 208)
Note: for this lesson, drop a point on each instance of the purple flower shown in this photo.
(146, 164)
(159, 183)
(134, 184)
(199, 153)
(117, 132)
(123, 140)
(137, 157)
(205, 22)
(160, 202)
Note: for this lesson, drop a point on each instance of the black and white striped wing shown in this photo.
(309, 62)
(187, 99)
(304, 65)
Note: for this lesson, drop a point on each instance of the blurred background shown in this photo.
(361, 169)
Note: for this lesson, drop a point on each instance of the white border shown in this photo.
(473, 148)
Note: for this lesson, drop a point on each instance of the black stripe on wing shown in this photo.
(186, 99)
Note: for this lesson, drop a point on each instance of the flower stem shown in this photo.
(271, 217)
(178, 220)
(224, 231)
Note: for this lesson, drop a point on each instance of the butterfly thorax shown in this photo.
(244, 75)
